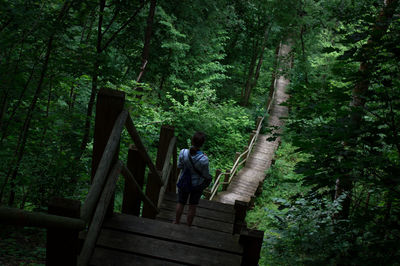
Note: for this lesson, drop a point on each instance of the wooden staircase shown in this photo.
(130, 240)
(91, 234)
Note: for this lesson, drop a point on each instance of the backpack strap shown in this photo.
(194, 167)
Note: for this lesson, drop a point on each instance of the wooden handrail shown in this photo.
(103, 168)
(166, 170)
(138, 143)
(127, 174)
(98, 217)
(164, 174)
(15, 216)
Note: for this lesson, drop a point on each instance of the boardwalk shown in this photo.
(245, 183)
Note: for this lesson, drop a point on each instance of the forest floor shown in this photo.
(22, 246)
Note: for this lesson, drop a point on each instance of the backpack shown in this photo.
(185, 181)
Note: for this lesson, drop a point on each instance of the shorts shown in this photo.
(194, 197)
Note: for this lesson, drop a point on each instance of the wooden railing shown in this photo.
(241, 158)
(66, 218)
(99, 198)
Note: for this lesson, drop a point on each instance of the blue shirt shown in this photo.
(200, 161)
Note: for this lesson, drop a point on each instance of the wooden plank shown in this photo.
(102, 170)
(109, 257)
(99, 214)
(245, 183)
(109, 108)
(200, 222)
(130, 127)
(201, 212)
(242, 193)
(13, 216)
(166, 250)
(178, 233)
(204, 203)
(248, 186)
(131, 200)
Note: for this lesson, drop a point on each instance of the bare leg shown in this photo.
(179, 211)
(191, 214)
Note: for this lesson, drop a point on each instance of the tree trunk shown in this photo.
(96, 68)
(303, 49)
(260, 59)
(247, 88)
(19, 151)
(273, 76)
(381, 25)
(148, 32)
(95, 76)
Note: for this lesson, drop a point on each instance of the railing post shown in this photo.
(62, 245)
(251, 137)
(240, 216)
(251, 241)
(208, 193)
(171, 187)
(137, 166)
(109, 105)
(258, 121)
(153, 187)
(226, 180)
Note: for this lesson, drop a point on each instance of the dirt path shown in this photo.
(245, 183)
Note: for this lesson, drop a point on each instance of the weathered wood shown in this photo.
(252, 242)
(109, 105)
(167, 167)
(214, 189)
(171, 187)
(62, 245)
(200, 222)
(252, 134)
(171, 232)
(167, 172)
(103, 168)
(131, 199)
(99, 214)
(13, 216)
(166, 134)
(153, 187)
(167, 161)
(213, 205)
(226, 179)
(128, 175)
(240, 216)
(201, 212)
(167, 250)
(138, 143)
(103, 256)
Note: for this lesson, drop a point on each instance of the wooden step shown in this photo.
(130, 240)
(200, 222)
(201, 212)
(217, 206)
(172, 232)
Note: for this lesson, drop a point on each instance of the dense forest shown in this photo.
(331, 198)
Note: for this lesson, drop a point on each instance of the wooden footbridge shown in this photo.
(245, 179)
(143, 234)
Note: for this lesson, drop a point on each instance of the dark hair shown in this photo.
(197, 141)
